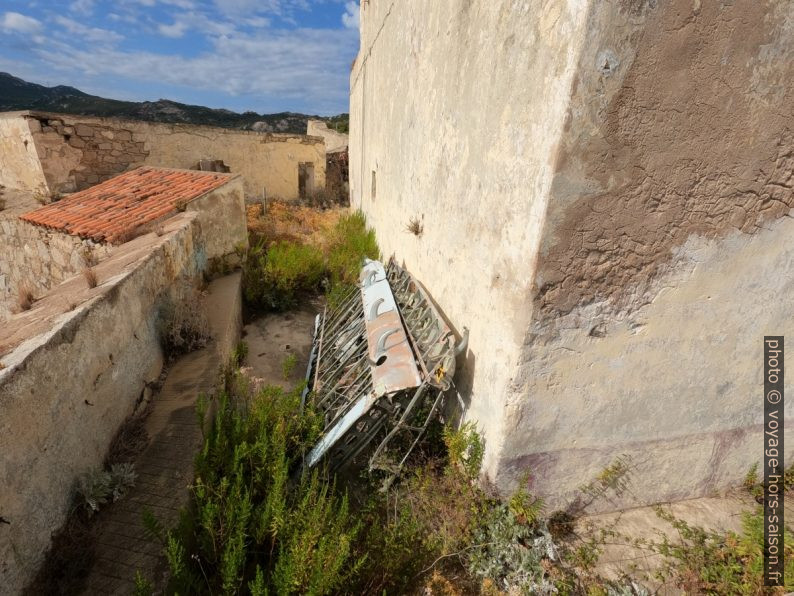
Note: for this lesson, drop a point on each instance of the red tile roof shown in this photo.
(112, 210)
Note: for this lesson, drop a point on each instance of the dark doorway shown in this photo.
(305, 179)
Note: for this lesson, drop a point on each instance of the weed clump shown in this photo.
(701, 561)
(100, 487)
(25, 297)
(351, 242)
(90, 277)
(288, 366)
(415, 226)
(257, 523)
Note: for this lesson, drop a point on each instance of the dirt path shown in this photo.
(165, 468)
(273, 337)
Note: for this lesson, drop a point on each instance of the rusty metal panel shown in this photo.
(391, 359)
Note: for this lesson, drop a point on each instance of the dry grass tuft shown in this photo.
(25, 297)
(415, 226)
(90, 277)
(292, 222)
(88, 256)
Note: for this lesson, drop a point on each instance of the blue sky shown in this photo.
(260, 55)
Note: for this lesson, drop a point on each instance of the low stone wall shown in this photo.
(75, 152)
(75, 366)
(38, 259)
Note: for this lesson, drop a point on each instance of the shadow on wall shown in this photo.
(458, 405)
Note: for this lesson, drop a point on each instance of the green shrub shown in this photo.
(708, 562)
(351, 241)
(100, 487)
(274, 277)
(288, 365)
(511, 553)
(465, 448)
(255, 523)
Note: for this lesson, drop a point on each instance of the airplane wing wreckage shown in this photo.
(381, 362)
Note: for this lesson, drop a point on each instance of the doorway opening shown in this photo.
(305, 179)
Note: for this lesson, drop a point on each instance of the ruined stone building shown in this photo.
(604, 189)
(61, 153)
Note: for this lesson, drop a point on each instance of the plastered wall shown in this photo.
(19, 163)
(75, 152)
(605, 196)
(464, 147)
(666, 253)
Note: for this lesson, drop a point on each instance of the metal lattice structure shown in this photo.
(381, 363)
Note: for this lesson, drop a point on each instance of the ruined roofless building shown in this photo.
(50, 153)
(605, 189)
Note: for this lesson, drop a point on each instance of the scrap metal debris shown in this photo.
(380, 365)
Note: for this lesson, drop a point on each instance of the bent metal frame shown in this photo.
(380, 364)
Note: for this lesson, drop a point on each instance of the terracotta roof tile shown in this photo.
(112, 210)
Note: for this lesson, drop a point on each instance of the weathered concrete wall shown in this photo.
(464, 148)
(666, 251)
(75, 366)
(334, 141)
(604, 198)
(78, 151)
(19, 163)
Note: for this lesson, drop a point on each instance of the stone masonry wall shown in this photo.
(38, 259)
(76, 155)
(76, 152)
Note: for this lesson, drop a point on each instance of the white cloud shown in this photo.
(239, 52)
(92, 34)
(85, 7)
(352, 15)
(282, 8)
(13, 21)
(175, 30)
(309, 66)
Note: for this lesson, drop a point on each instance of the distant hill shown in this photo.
(16, 94)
